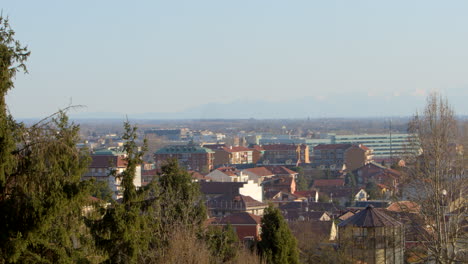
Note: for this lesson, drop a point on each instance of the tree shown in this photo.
(180, 197)
(302, 181)
(41, 196)
(222, 242)
(437, 180)
(124, 231)
(277, 244)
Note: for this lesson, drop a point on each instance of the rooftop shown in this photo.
(183, 149)
(370, 217)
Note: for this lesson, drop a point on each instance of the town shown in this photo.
(322, 183)
(237, 132)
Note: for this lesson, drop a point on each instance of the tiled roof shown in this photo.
(329, 182)
(364, 147)
(404, 206)
(370, 217)
(197, 175)
(260, 171)
(229, 171)
(258, 148)
(243, 218)
(280, 170)
(278, 181)
(332, 146)
(106, 161)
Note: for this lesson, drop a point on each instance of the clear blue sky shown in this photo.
(168, 56)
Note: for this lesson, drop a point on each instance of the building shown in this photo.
(371, 236)
(383, 145)
(106, 164)
(168, 134)
(357, 156)
(246, 225)
(216, 189)
(285, 154)
(191, 157)
(228, 204)
(227, 174)
(340, 157)
(233, 155)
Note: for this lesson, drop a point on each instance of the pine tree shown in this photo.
(124, 231)
(41, 196)
(180, 197)
(277, 245)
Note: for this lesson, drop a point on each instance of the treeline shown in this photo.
(48, 215)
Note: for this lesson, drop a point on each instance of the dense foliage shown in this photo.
(277, 245)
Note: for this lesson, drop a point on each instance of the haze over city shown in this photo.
(265, 59)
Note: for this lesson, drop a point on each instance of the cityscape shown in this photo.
(209, 132)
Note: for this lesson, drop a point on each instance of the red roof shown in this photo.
(258, 148)
(363, 147)
(404, 206)
(260, 171)
(329, 182)
(280, 170)
(230, 171)
(106, 161)
(309, 193)
(243, 218)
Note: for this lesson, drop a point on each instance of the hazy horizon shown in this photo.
(264, 59)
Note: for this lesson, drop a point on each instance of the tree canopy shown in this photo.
(277, 245)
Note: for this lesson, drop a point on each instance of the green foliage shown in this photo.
(277, 245)
(350, 180)
(41, 196)
(373, 191)
(222, 242)
(123, 232)
(180, 197)
(101, 190)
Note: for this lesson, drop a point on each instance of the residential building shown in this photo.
(106, 164)
(285, 154)
(227, 174)
(246, 225)
(228, 204)
(330, 156)
(279, 184)
(216, 189)
(357, 156)
(233, 155)
(191, 157)
(341, 157)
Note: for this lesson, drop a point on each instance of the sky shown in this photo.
(134, 57)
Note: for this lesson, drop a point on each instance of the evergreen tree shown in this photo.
(41, 196)
(278, 245)
(124, 231)
(180, 197)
